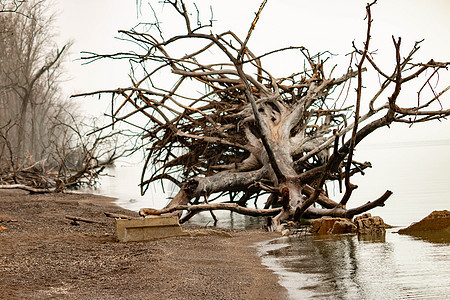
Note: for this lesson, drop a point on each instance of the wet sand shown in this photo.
(43, 255)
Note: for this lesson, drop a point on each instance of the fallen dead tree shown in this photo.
(250, 134)
(79, 160)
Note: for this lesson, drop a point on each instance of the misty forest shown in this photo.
(44, 142)
(212, 119)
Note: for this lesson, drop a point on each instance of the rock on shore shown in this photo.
(436, 221)
(362, 224)
(329, 225)
(368, 224)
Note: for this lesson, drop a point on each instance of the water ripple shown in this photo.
(345, 267)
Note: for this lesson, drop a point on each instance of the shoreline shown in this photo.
(43, 255)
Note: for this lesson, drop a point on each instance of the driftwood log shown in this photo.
(119, 216)
(27, 188)
(80, 219)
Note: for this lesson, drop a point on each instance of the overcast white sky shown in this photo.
(319, 25)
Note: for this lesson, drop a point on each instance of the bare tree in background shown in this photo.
(248, 134)
(30, 71)
(12, 6)
(43, 144)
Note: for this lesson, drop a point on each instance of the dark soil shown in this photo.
(44, 256)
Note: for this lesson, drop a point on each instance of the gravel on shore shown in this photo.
(43, 255)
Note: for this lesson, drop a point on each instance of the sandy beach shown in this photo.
(43, 255)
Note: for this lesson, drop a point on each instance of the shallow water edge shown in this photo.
(392, 266)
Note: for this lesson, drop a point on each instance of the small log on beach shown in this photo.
(75, 220)
(119, 216)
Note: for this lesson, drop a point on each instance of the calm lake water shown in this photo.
(350, 267)
(390, 266)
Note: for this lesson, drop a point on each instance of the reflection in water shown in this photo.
(375, 237)
(351, 267)
(228, 219)
(441, 236)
